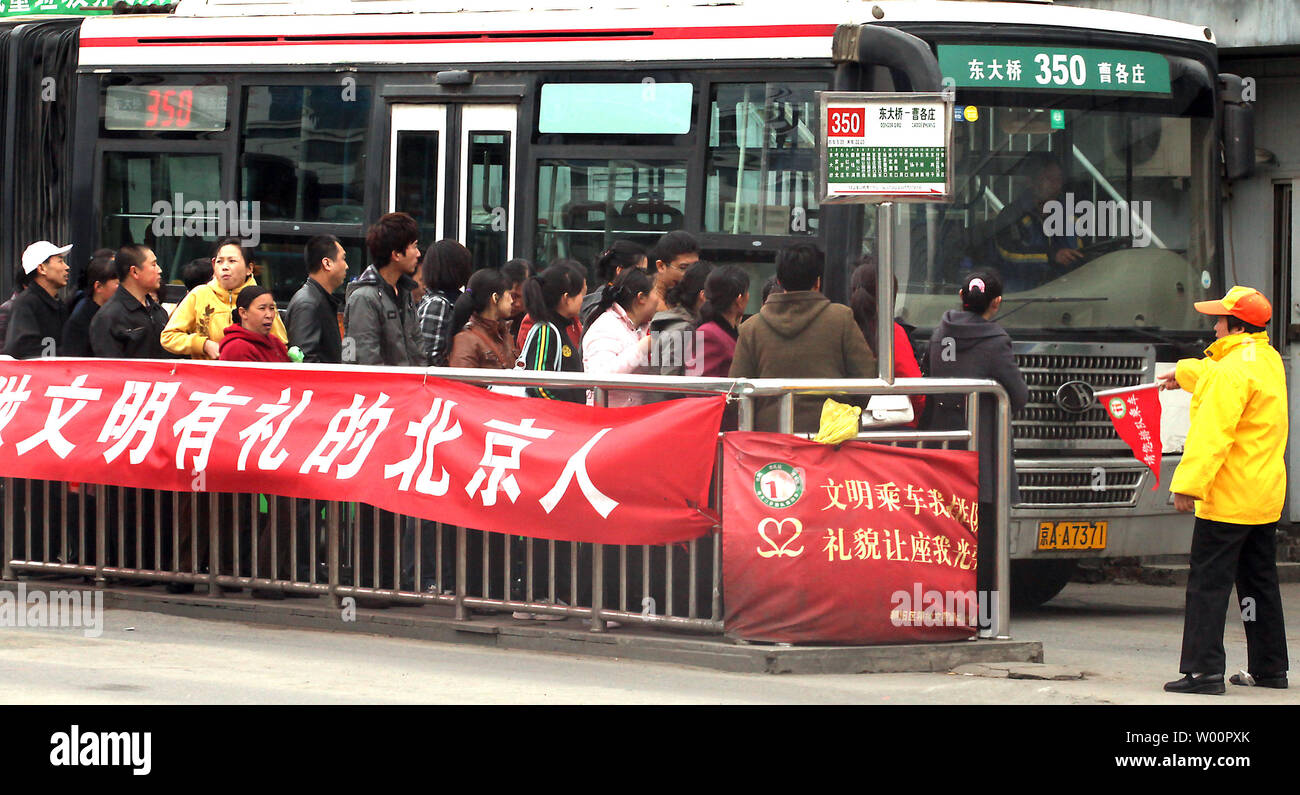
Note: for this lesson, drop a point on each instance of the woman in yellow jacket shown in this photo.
(200, 319)
(1233, 475)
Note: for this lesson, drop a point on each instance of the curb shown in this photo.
(571, 636)
(1176, 574)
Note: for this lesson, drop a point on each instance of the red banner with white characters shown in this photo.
(420, 446)
(861, 543)
(1135, 413)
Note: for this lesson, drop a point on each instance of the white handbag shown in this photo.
(884, 410)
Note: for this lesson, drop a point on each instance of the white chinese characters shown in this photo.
(136, 417)
(429, 449)
(273, 454)
(576, 469)
(435, 428)
(351, 428)
(198, 429)
(499, 479)
(52, 433)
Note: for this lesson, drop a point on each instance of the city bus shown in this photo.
(528, 132)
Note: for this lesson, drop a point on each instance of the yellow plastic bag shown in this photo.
(840, 423)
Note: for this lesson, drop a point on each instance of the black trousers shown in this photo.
(1224, 554)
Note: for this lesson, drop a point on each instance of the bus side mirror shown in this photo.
(1237, 129)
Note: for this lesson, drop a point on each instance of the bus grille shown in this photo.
(1054, 487)
(1046, 366)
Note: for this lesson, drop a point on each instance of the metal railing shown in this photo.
(285, 546)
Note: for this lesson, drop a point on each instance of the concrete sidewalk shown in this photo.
(1103, 644)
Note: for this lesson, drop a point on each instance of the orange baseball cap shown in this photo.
(1243, 303)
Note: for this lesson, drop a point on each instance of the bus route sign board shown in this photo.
(884, 146)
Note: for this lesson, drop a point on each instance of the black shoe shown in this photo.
(1248, 680)
(179, 587)
(1205, 684)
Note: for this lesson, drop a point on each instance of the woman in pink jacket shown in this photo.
(726, 294)
(617, 341)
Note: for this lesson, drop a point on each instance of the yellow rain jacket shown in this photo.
(203, 315)
(1232, 460)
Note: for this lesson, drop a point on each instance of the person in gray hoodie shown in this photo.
(379, 317)
(968, 344)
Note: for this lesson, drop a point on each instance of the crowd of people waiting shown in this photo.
(662, 311)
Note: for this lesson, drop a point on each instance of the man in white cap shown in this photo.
(37, 317)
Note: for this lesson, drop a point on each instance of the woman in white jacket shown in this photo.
(617, 341)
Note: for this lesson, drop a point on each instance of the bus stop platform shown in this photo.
(568, 636)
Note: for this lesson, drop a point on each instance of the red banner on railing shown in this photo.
(420, 446)
(860, 543)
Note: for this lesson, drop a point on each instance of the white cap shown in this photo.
(40, 251)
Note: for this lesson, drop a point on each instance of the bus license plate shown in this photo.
(1071, 535)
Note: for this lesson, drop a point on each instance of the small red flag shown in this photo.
(1135, 413)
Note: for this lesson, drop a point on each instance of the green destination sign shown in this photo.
(20, 8)
(1054, 68)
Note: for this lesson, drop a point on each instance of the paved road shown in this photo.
(1125, 637)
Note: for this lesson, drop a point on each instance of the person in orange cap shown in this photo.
(1233, 476)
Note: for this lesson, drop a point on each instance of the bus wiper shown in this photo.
(1028, 301)
(1150, 332)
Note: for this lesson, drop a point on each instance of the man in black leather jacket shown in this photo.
(312, 316)
(130, 324)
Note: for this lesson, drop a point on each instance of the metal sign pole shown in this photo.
(885, 291)
(880, 148)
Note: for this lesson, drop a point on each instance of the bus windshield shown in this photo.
(1097, 218)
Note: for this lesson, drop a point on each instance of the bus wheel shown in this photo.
(1035, 582)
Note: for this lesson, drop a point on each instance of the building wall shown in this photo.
(1236, 23)
(1249, 206)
